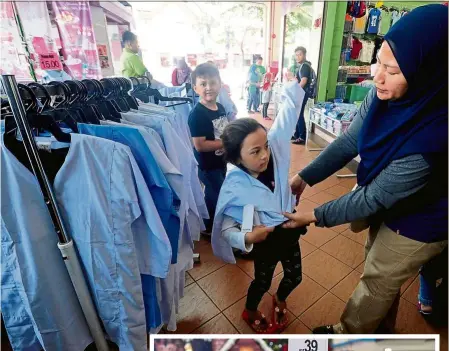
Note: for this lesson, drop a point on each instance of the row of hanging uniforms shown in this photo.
(131, 199)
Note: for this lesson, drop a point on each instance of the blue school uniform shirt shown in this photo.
(240, 189)
(373, 21)
(165, 200)
(102, 184)
(181, 157)
(170, 289)
(38, 302)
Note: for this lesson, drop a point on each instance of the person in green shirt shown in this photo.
(255, 78)
(131, 63)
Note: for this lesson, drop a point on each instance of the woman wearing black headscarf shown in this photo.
(401, 135)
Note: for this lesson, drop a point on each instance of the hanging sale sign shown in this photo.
(50, 62)
(77, 38)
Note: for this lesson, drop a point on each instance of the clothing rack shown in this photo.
(65, 244)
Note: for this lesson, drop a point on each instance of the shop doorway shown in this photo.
(227, 33)
(303, 27)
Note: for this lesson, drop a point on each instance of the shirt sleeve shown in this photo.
(305, 72)
(199, 125)
(399, 180)
(138, 65)
(341, 151)
(231, 232)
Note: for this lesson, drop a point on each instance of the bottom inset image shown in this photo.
(426, 343)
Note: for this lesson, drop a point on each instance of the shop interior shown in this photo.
(192, 291)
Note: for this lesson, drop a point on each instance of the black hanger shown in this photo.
(42, 119)
(105, 108)
(126, 87)
(78, 104)
(60, 92)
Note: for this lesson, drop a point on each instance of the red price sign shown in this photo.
(50, 62)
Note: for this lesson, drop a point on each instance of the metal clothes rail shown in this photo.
(65, 244)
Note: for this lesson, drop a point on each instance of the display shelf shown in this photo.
(313, 123)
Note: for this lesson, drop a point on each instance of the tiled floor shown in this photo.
(332, 263)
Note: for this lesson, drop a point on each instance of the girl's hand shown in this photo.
(259, 233)
(299, 219)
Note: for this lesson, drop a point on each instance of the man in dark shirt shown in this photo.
(206, 122)
(304, 77)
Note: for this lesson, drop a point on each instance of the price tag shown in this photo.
(308, 344)
(50, 62)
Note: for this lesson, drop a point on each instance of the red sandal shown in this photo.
(276, 312)
(255, 325)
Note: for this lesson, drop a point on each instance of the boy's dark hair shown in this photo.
(233, 136)
(128, 36)
(302, 49)
(205, 70)
(259, 58)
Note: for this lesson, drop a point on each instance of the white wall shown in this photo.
(101, 36)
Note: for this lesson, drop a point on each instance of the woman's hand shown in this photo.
(297, 184)
(259, 233)
(299, 219)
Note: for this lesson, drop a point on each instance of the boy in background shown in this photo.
(206, 122)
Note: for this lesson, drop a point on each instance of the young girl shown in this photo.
(250, 208)
(266, 94)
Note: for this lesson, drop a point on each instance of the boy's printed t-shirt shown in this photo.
(373, 21)
(204, 122)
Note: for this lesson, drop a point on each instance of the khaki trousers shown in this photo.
(390, 259)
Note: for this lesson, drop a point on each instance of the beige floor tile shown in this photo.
(318, 236)
(308, 192)
(344, 289)
(326, 311)
(357, 237)
(325, 269)
(189, 280)
(305, 205)
(195, 308)
(340, 228)
(225, 286)
(406, 285)
(306, 248)
(297, 327)
(410, 321)
(209, 262)
(217, 325)
(338, 190)
(322, 197)
(327, 183)
(348, 182)
(411, 294)
(360, 267)
(304, 296)
(345, 250)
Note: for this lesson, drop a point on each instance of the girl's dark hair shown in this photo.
(234, 134)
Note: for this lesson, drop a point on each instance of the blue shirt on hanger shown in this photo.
(373, 21)
(164, 198)
(38, 302)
